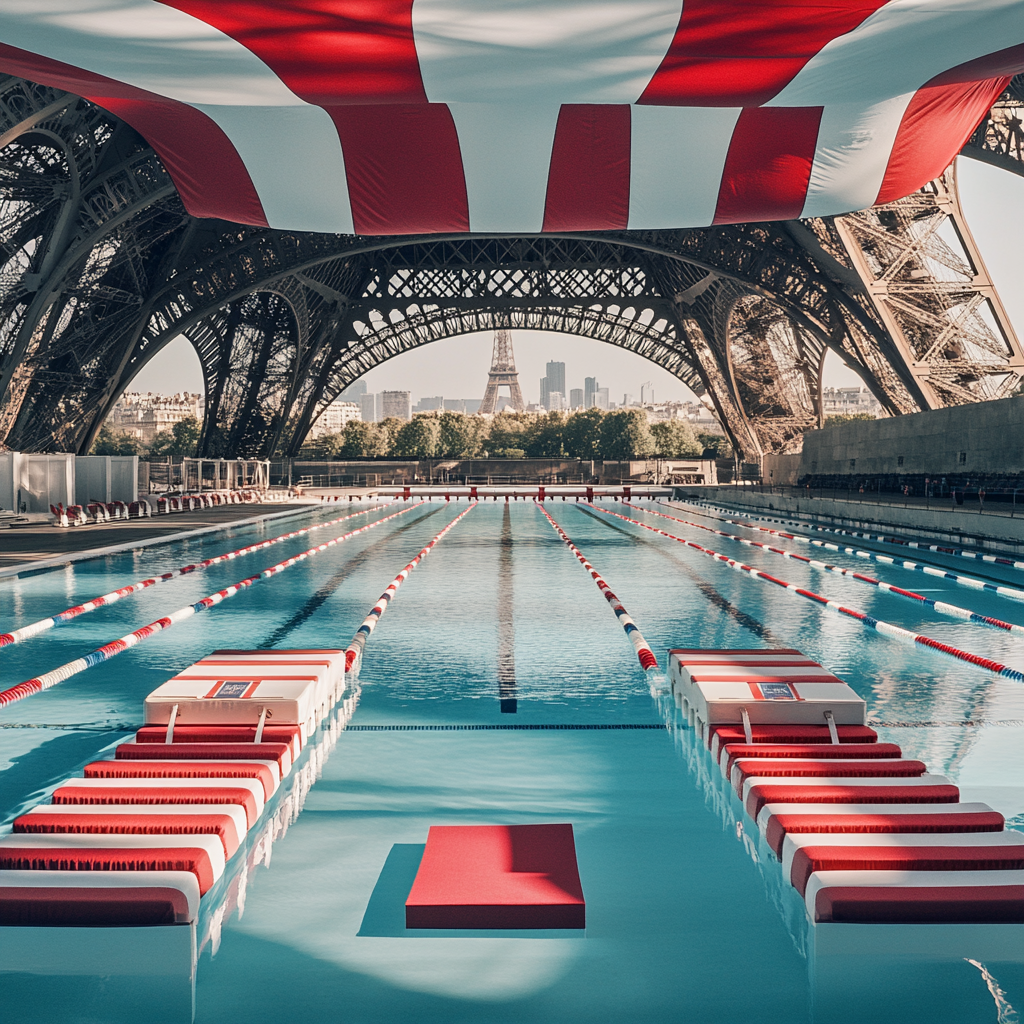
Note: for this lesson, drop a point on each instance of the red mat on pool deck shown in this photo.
(970, 904)
(497, 876)
(809, 859)
(760, 795)
(290, 734)
(279, 752)
(780, 824)
(93, 908)
(143, 824)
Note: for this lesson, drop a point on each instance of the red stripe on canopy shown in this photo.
(741, 53)
(769, 164)
(328, 52)
(404, 168)
(588, 180)
(203, 164)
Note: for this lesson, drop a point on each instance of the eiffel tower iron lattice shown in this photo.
(101, 268)
(502, 373)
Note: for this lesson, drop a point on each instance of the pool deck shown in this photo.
(40, 546)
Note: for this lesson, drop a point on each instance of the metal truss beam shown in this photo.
(101, 268)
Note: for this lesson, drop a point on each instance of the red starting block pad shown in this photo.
(497, 876)
(279, 752)
(247, 793)
(720, 735)
(802, 855)
(806, 768)
(225, 821)
(926, 789)
(98, 898)
(776, 821)
(202, 855)
(835, 751)
(266, 772)
(916, 897)
(290, 734)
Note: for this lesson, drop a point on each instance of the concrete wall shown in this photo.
(781, 470)
(986, 437)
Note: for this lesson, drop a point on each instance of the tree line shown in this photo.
(588, 434)
(179, 442)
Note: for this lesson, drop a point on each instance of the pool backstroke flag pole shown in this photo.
(416, 116)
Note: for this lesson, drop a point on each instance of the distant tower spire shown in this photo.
(503, 371)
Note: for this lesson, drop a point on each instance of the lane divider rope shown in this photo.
(952, 610)
(632, 630)
(1012, 593)
(354, 651)
(17, 636)
(115, 647)
(879, 625)
(881, 538)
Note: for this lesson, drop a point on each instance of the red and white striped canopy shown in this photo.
(408, 116)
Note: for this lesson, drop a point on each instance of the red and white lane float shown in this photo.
(864, 835)
(971, 582)
(869, 621)
(140, 839)
(354, 652)
(880, 538)
(643, 649)
(16, 636)
(942, 607)
(115, 647)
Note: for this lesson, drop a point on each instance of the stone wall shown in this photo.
(986, 437)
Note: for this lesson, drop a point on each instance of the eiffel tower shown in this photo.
(502, 371)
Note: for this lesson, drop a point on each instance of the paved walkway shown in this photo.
(21, 546)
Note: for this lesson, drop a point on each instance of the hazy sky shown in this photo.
(993, 202)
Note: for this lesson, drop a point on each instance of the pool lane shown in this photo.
(679, 923)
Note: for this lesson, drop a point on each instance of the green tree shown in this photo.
(544, 437)
(358, 440)
(846, 417)
(418, 438)
(506, 438)
(626, 434)
(326, 446)
(581, 434)
(116, 442)
(180, 441)
(459, 435)
(714, 446)
(675, 439)
(386, 432)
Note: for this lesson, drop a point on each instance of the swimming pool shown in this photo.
(501, 644)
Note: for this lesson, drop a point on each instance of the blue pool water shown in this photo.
(687, 919)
